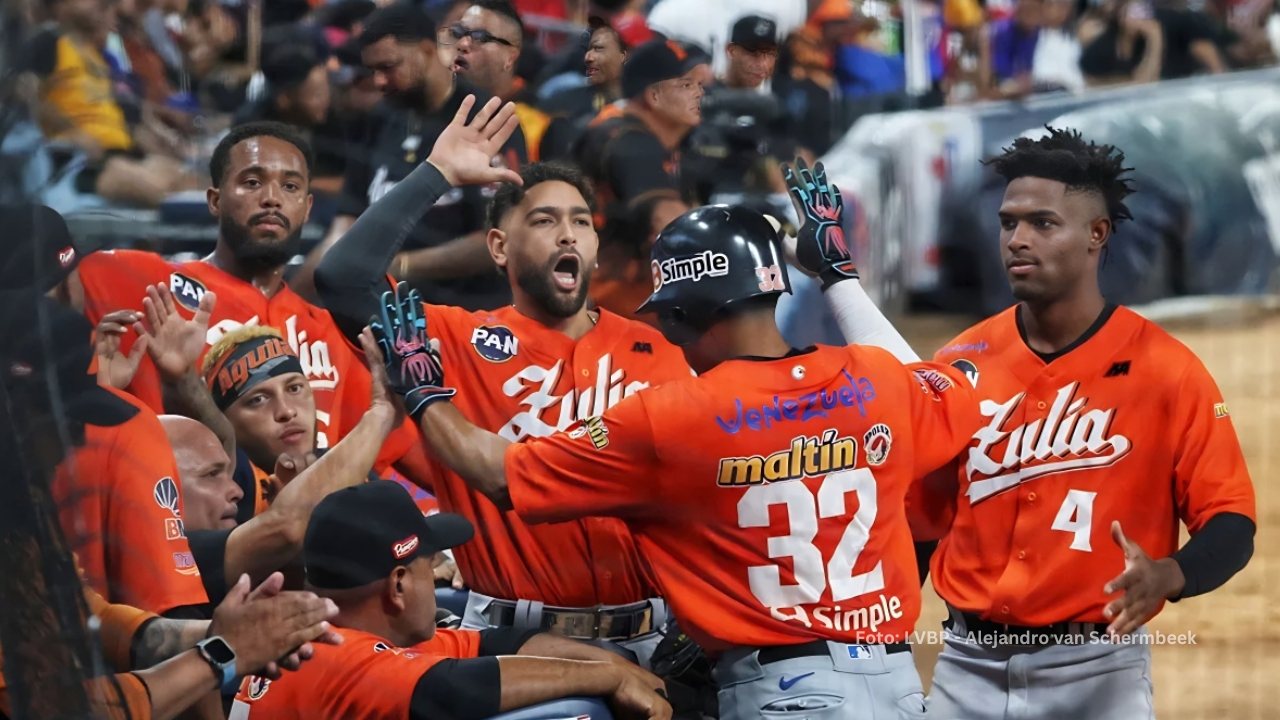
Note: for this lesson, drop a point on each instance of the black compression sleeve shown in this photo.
(351, 277)
(924, 553)
(1212, 556)
(504, 641)
(458, 690)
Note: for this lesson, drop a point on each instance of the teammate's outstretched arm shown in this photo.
(821, 250)
(352, 274)
(415, 373)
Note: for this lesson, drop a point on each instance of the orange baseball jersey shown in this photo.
(1125, 425)
(364, 678)
(121, 509)
(767, 495)
(521, 379)
(117, 279)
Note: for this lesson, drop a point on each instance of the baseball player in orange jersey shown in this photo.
(767, 493)
(1101, 432)
(523, 371)
(260, 197)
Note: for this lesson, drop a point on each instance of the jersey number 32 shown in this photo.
(812, 574)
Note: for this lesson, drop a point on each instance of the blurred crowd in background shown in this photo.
(664, 104)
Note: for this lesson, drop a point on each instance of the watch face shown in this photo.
(219, 651)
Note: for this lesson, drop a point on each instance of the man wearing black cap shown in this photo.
(752, 52)
(117, 493)
(743, 133)
(631, 153)
(368, 549)
(446, 255)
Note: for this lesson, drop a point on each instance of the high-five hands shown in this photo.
(399, 336)
(821, 247)
(464, 151)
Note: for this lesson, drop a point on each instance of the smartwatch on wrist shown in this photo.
(220, 657)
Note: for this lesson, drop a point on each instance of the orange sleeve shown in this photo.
(599, 466)
(149, 562)
(460, 644)
(119, 624)
(1210, 475)
(103, 698)
(944, 414)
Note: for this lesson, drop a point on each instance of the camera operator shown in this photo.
(734, 152)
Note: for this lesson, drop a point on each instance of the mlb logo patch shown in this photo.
(495, 344)
(859, 652)
(186, 290)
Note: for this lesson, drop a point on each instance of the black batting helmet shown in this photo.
(708, 259)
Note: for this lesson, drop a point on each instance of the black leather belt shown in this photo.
(817, 648)
(1054, 634)
(618, 623)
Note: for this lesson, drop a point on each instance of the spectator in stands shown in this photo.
(1125, 45)
(367, 548)
(489, 39)
(806, 80)
(603, 57)
(1056, 65)
(708, 22)
(298, 93)
(272, 539)
(752, 53)
(446, 255)
(736, 147)
(1010, 49)
(77, 107)
(1191, 41)
(631, 154)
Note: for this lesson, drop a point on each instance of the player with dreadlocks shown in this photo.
(1059, 523)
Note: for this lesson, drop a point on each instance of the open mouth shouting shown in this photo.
(566, 272)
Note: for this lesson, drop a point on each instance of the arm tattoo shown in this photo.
(161, 638)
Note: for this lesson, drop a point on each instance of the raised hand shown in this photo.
(1145, 583)
(175, 343)
(115, 369)
(821, 247)
(413, 367)
(464, 152)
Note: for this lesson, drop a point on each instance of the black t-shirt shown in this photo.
(393, 144)
(1183, 28)
(630, 169)
(209, 547)
(1101, 57)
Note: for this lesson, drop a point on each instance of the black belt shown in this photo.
(620, 623)
(1044, 634)
(817, 648)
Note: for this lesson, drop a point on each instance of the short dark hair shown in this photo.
(218, 164)
(1064, 155)
(404, 21)
(509, 195)
(503, 8)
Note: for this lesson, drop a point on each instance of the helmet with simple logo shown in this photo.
(706, 261)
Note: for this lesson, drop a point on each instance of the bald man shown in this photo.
(209, 494)
(271, 540)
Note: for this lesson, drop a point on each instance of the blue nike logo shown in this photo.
(785, 683)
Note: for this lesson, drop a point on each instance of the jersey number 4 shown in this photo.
(1076, 517)
(812, 574)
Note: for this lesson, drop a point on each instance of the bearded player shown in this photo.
(261, 199)
(1101, 433)
(523, 371)
(767, 493)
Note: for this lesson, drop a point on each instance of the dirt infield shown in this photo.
(1235, 657)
